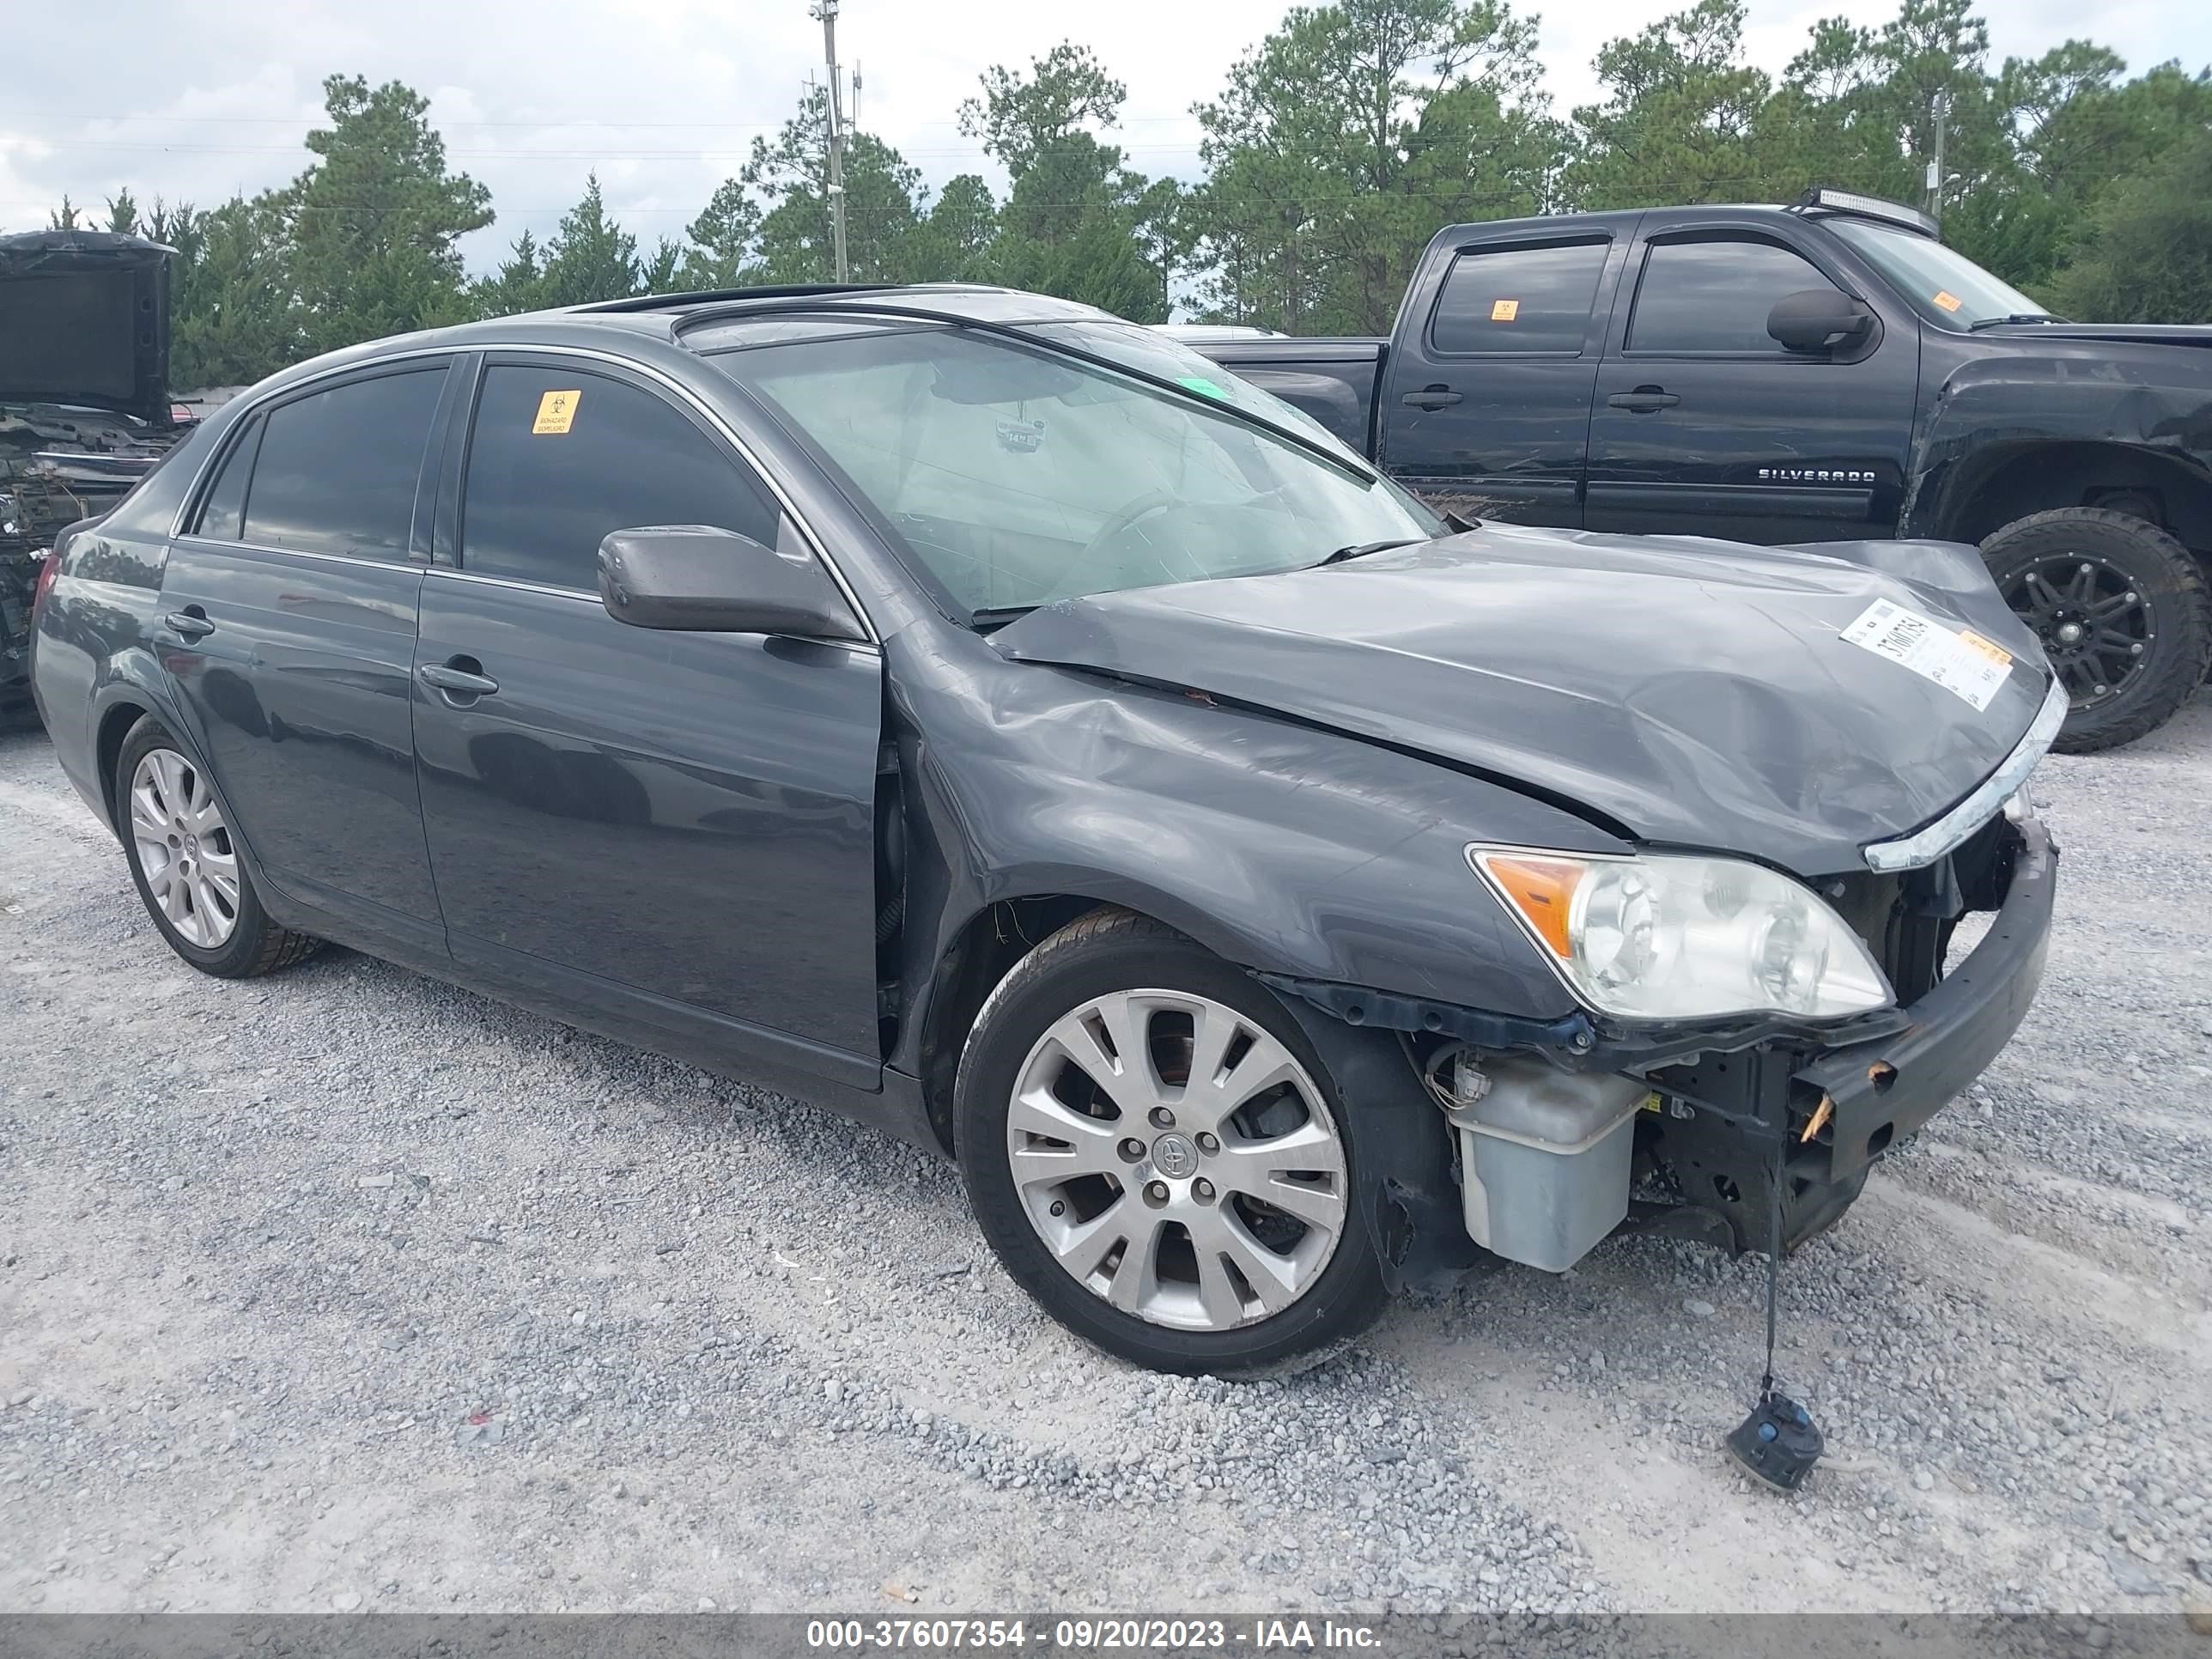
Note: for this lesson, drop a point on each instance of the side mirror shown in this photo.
(1818, 320)
(697, 579)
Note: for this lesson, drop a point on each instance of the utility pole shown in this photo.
(827, 11)
(1935, 165)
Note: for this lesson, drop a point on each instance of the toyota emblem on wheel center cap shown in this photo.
(1175, 1156)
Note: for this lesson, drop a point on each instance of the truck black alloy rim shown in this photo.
(2095, 624)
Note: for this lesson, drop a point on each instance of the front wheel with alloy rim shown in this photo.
(1157, 1155)
(2121, 609)
(185, 861)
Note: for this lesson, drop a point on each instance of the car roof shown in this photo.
(666, 318)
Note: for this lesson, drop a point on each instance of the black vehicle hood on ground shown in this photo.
(1695, 693)
(84, 319)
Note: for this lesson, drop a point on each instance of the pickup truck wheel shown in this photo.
(1157, 1155)
(176, 836)
(2122, 611)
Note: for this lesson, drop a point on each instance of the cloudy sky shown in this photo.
(664, 96)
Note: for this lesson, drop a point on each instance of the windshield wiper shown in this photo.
(998, 616)
(1977, 325)
(1362, 549)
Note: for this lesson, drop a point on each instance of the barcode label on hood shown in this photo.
(1961, 662)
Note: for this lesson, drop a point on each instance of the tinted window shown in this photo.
(560, 457)
(1714, 296)
(1523, 298)
(224, 515)
(337, 470)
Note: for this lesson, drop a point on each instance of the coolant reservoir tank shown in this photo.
(1544, 1159)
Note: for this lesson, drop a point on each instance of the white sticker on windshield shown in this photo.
(1959, 661)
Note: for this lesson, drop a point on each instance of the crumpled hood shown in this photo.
(1696, 693)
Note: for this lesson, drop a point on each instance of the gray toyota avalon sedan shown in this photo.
(991, 721)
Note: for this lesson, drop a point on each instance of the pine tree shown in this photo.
(591, 257)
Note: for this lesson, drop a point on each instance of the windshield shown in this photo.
(1015, 475)
(1947, 287)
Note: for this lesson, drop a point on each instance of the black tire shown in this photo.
(1102, 952)
(255, 945)
(2172, 616)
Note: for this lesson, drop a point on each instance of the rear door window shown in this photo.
(559, 457)
(337, 470)
(1518, 299)
(1699, 297)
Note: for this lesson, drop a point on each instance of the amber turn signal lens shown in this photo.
(1542, 890)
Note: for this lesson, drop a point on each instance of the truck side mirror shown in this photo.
(1818, 320)
(697, 579)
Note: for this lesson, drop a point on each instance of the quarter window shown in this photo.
(560, 457)
(1519, 300)
(223, 517)
(1714, 296)
(337, 470)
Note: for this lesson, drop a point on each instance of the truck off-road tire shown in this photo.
(2122, 610)
(176, 835)
(1157, 1154)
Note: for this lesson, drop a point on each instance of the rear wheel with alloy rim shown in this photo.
(1159, 1157)
(2121, 609)
(185, 861)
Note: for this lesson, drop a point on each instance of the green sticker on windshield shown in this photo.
(1199, 383)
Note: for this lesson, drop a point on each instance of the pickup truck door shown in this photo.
(1486, 390)
(1705, 426)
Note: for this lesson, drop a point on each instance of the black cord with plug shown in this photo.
(1779, 1442)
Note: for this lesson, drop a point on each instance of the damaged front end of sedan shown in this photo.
(1730, 1132)
(1759, 983)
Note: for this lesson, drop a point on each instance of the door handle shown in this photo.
(1430, 396)
(190, 623)
(1645, 400)
(456, 681)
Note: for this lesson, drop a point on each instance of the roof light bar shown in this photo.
(1868, 207)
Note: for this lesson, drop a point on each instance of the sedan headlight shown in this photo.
(1663, 937)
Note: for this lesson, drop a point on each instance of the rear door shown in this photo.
(289, 625)
(1706, 426)
(675, 827)
(1487, 391)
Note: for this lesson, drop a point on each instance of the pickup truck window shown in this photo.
(1518, 300)
(1714, 295)
(1944, 286)
(1012, 476)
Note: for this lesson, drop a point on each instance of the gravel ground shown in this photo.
(344, 1289)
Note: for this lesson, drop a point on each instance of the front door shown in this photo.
(1486, 401)
(681, 825)
(289, 627)
(1705, 426)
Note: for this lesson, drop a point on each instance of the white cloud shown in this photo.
(664, 97)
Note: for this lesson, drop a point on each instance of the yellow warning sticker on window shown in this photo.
(1504, 311)
(1948, 300)
(557, 412)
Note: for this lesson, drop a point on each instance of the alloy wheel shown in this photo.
(183, 849)
(1177, 1160)
(2096, 626)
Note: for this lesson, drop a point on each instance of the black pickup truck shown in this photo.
(1824, 372)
